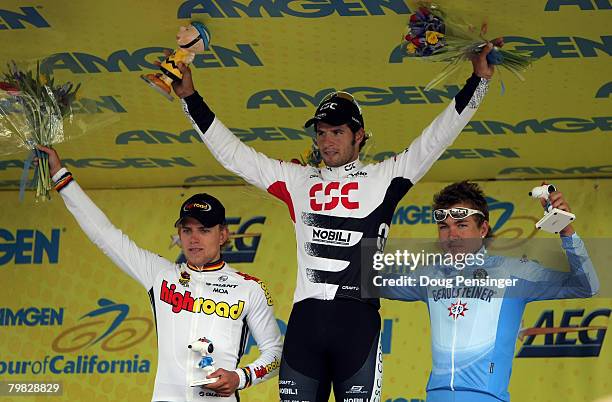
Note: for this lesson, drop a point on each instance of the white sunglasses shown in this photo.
(439, 215)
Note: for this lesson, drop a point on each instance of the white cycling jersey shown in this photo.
(334, 208)
(220, 304)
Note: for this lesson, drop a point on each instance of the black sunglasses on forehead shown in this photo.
(439, 215)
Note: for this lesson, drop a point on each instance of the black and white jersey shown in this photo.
(333, 209)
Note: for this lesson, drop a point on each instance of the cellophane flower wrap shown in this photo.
(434, 35)
(33, 111)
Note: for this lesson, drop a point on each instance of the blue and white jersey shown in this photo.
(474, 328)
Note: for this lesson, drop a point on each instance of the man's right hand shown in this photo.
(184, 87)
(55, 164)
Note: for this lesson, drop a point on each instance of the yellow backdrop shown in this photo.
(48, 264)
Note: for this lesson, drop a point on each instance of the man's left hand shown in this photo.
(226, 384)
(481, 67)
(558, 201)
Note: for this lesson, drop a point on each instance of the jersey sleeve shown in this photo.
(256, 168)
(396, 287)
(264, 328)
(416, 160)
(537, 282)
(140, 264)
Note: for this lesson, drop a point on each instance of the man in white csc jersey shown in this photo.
(333, 333)
(185, 298)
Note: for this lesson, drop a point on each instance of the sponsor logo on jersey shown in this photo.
(262, 284)
(356, 389)
(184, 301)
(185, 278)
(223, 288)
(261, 371)
(468, 292)
(329, 236)
(457, 309)
(332, 196)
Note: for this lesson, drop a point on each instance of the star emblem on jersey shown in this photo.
(457, 309)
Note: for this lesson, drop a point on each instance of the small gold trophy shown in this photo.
(192, 39)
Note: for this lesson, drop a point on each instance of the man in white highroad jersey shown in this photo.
(185, 302)
(333, 334)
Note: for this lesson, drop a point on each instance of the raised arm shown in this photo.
(135, 261)
(540, 283)
(256, 168)
(424, 151)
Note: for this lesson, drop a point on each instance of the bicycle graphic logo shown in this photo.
(513, 236)
(122, 333)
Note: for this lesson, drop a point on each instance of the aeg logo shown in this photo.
(332, 200)
(581, 338)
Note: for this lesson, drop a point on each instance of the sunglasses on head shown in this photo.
(343, 95)
(439, 215)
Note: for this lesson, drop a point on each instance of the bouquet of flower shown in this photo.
(311, 156)
(32, 112)
(433, 35)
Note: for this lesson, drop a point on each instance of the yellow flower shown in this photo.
(432, 37)
(411, 48)
(305, 154)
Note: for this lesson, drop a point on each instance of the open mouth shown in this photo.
(330, 153)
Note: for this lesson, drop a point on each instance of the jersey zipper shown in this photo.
(190, 367)
(452, 379)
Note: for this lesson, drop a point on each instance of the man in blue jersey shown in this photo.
(474, 328)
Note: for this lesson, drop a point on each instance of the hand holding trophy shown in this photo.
(557, 216)
(192, 39)
(206, 363)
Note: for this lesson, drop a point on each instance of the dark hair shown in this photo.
(224, 226)
(464, 192)
(354, 128)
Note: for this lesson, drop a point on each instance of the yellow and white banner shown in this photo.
(272, 61)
